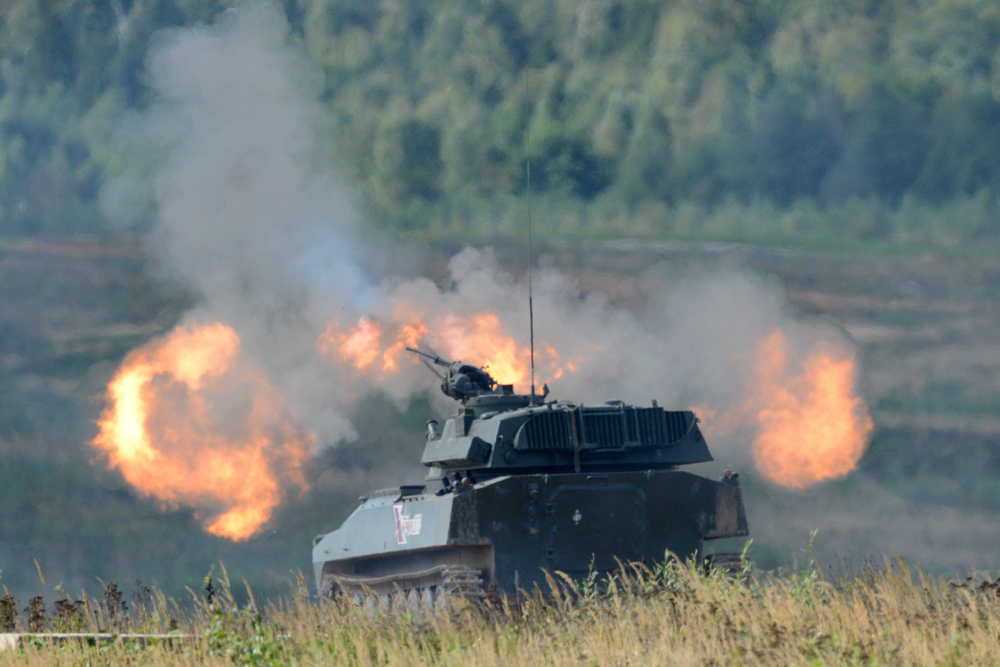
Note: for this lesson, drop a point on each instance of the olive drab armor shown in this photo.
(518, 486)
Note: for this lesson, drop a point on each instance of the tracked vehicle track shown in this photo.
(730, 563)
(432, 588)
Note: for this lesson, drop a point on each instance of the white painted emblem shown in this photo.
(577, 517)
(405, 524)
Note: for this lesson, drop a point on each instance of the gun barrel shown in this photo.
(436, 359)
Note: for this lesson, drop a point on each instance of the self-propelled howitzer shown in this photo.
(518, 486)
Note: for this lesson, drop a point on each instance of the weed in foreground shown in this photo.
(670, 614)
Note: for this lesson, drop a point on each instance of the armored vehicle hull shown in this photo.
(503, 534)
(518, 487)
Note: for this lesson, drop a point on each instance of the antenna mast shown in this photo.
(527, 166)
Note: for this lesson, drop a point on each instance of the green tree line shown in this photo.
(862, 118)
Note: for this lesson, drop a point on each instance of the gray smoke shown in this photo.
(229, 170)
(231, 162)
(688, 341)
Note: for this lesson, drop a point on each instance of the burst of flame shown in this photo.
(359, 346)
(189, 422)
(810, 426)
(481, 341)
(362, 345)
(376, 347)
(409, 335)
(809, 423)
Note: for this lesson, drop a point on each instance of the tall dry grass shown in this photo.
(674, 615)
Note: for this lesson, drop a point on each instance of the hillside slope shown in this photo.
(857, 119)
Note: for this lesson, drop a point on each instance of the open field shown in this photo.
(671, 616)
(926, 324)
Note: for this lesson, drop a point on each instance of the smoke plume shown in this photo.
(230, 171)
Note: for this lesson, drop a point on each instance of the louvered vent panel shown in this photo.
(659, 427)
(549, 430)
(631, 425)
(650, 426)
(604, 428)
(677, 425)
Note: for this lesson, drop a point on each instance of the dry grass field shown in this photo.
(927, 329)
(675, 615)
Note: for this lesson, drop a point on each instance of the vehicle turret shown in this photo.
(498, 432)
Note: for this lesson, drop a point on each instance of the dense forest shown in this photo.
(863, 119)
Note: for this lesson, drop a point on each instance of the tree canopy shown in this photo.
(634, 107)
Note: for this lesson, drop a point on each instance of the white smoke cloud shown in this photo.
(228, 168)
(228, 158)
(231, 164)
(689, 341)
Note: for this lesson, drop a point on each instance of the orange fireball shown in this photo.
(359, 346)
(809, 424)
(191, 423)
(377, 348)
(362, 346)
(480, 340)
(812, 426)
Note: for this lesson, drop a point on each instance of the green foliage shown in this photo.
(804, 584)
(632, 106)
(68, 69)
(243, 638)
(884, 615)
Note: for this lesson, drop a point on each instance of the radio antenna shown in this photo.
(527, 168)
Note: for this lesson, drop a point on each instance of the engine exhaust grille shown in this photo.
(548, 430)
(605, 427)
